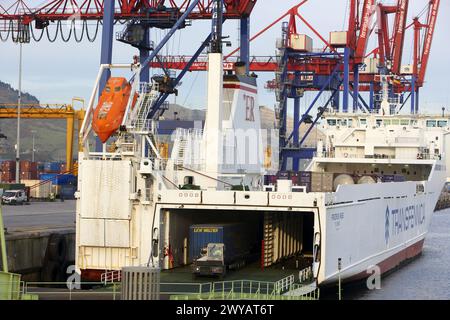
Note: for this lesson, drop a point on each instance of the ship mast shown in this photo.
(213, 124)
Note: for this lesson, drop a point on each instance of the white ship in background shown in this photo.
(366, 198)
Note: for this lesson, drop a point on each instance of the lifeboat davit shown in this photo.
(111, 107)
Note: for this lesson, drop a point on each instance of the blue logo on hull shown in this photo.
(386, 226)
(402, 220)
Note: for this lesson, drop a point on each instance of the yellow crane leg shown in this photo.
(69, 143)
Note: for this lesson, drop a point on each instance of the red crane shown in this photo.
(56, 10)
(421, 57)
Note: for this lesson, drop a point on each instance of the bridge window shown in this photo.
(404, 122)
(442, 123)
(431, 123)
(331, 122)
(363, 122)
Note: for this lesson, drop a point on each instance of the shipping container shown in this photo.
(59, 179)
(321, 182)
(270, 180)
(305, 177)
(52, 167)
(283, 175)
(301, 42)
(236, 237)
(67, 192)
(39, 189)
(12, 186)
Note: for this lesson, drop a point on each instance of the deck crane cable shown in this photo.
(190, 89)
(95, 35)
(82, 34)
(37, 39)
(8, 32)
(56, 34)
(62, 33)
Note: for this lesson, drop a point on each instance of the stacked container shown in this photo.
(321, 182)
(8, 171)
(28, 170)
(62, 184)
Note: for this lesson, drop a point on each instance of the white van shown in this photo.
(14, 197)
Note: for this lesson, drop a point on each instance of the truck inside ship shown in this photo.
(274, 240)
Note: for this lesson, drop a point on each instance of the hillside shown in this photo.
(50, 140)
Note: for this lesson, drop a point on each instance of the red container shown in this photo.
(8, 165)
(8, 176)
(26, 176)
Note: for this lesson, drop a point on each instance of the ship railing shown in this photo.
(225, 290)
(143, 125)
(284, 284)
(419, 156)
(252, 290)
(305, 275)
(111, 276)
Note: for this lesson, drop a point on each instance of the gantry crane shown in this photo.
(49, 111)
(336, 68)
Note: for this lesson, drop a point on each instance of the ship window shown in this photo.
(350, 122)
(331, 122)
(108, 89)
(363, 121)
(442, 123)
(431, 123)
(413, 122)
(404, 122)
(379, 122)
(343, 122)
(117, 89)
(395, 122)
(387, 122)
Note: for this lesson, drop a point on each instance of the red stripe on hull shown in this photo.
(238, 86)
(393, 261)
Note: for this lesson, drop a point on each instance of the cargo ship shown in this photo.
(366, 198)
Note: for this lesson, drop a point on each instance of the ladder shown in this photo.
(182, 146)
(268, 239)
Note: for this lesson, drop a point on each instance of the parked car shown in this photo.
(14, 197)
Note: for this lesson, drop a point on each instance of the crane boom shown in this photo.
(430, 26)
(399, 35)
(363, 37)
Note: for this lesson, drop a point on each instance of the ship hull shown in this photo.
(373, 235)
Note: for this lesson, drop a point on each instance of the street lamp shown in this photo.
(33, 150)
(23, 36)
(19, 102)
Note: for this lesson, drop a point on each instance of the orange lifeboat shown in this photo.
(111, 107)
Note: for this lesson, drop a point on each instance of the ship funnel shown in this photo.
(240, 68)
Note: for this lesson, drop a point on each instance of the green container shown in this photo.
(12, 186)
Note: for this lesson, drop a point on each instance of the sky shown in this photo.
(57, 72)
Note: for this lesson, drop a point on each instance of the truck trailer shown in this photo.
(216, 248)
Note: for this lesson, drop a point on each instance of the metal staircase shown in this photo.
(148, 93)
(281, 93)
(268, 240)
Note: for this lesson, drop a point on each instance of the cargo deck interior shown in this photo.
(279, 243)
